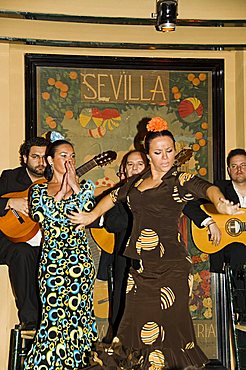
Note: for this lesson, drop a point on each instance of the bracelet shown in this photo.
(211, 223)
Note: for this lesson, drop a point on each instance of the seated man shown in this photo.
(22, 257)
(234, 190)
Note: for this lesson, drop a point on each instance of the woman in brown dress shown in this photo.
(156, 331)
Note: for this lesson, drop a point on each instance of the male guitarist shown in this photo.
(234, 190)
(22, 257)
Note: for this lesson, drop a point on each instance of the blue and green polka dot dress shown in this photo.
(66, 277)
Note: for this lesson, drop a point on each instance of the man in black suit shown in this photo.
(234, 190)
(22, 258)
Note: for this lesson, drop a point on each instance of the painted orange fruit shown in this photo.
(195, 147)
(202, 76)
(175, 89)
(69, 114)
(73, 75)
(204, 125)
(45, 95)
(58, 84)
(202, 171)
(191, 76)
(52, 124)
(63, 94)
(177, 95)
(196, 81)
(202, 142)
(198, 135)
(51, 81)
(48, 119)
(64, 88)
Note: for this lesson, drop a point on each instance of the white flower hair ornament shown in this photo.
(55, 135)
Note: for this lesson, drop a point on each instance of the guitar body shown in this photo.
(103, 239)
(16, 231)
(232, 227)
(11, 226)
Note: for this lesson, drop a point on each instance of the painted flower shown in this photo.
(205, 274)
(196, 259)
(193, 307)
(197, 278)
(204, 257)
(206, 290)
(208, 313)
(207, 302)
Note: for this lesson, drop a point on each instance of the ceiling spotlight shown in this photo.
(166, 15)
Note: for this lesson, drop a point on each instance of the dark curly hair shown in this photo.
(26, 147)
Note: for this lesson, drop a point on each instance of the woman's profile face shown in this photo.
(161, 154)
(134, 164)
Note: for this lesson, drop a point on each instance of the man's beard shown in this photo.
(239, 178)
(36, 171)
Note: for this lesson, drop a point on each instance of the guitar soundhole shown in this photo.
(233, 227)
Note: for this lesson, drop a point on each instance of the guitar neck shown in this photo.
(81, 170)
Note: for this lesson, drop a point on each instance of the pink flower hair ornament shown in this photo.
(157, 124)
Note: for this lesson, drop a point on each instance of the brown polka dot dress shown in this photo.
(156, 331)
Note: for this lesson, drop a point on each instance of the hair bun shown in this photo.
(157, 124)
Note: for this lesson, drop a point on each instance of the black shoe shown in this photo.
(109, 336)
(30, 325)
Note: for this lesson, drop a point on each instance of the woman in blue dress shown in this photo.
(66, 270)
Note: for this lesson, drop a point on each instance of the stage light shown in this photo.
(166, 15)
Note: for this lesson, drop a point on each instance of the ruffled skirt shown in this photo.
(156, 331)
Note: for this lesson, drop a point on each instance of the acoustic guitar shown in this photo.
(20, 228)
(232, 227)
(106, 240)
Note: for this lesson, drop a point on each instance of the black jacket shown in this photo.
(12, 181)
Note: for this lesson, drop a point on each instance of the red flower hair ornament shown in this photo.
(157, 124)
